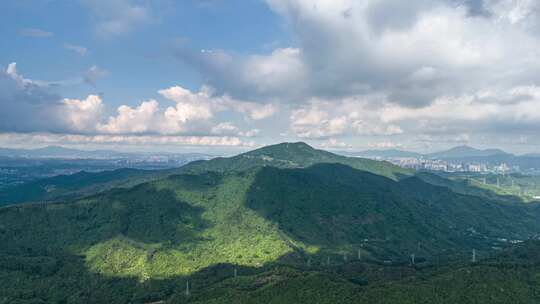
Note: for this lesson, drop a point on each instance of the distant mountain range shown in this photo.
(61, 152)
(466, 151)
(460, 154)
(456, 152)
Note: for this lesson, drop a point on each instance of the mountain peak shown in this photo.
(284, 148)
(292, 155)
(292, 145)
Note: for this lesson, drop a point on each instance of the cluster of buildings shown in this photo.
(449, 166)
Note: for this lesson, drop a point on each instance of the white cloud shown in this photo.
(82, 115)
(29, 106)
(11, 71)
(427, 62)
(352, 116)
(189, 106)
(140, 119)
(312, 122)
(136, 140)
(193, 113)
(26, 104)
(373, 71)
(486, 112)
(264, 78)
(479, 110)
(33, 105)
(150, 117)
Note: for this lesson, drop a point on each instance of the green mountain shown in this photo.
(64, 187)
(297, 225)
(293, 155)
(288, 155)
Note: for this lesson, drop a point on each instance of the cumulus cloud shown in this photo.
(203, 104)
(26, 104)
(31, 106)
(81, 115)
(451, 70)
(135, 140)
(260, 77)
(413, 52)
(430, 65)
(327, 118)
(503, 112)
(139, 119)
(192, 113)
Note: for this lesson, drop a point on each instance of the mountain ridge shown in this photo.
(467, 151)
(293, 155)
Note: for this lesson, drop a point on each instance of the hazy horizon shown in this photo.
(224, 151)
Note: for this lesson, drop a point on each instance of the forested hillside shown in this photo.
(276, 228)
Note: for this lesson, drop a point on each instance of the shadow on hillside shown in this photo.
(65, 279)
(143, 215)
(68, 187)
(337, 207)
(466, 186)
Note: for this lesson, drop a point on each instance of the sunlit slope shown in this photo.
(503, 283)
(170, 227)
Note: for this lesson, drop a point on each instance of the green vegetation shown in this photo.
(297, 225)
(507, 186)
(293, 155)
(65, 187)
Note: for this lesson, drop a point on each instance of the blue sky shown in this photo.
(232, 75)
(138, 62)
